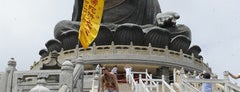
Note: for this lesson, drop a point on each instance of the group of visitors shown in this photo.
(207, 87)
(108, 80)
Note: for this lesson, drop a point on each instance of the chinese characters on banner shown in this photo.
(90, 21)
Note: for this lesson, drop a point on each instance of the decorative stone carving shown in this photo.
(12, 63)
(53, 62)
(40, 86)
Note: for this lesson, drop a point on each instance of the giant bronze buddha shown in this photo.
(139, 22)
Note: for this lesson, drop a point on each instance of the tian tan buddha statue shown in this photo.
(124, 11)
(124, 21)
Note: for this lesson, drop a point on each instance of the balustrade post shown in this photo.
(181, 55)
(163, 79)
(150, 49)
(79, 70)
(140, 77)
(146, 73)
(226, 87)
(132, 81)
(181, 80)
(137, 88)
(66, 77)
(192, 57)
(166, 51)
(140, 83)
(131, 48)
(174, 75)
(94, 48)
(151, 82)
(77, 50)
(194, 74)
(113, 48)
(9, 75)
(171, 85)
(157, 87)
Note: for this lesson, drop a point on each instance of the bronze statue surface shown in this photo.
(124, 11)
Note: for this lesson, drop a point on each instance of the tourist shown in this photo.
(233, 76)
(206, 87)
(114, 70)
(108, 82)
(128, 70)
(201, 74)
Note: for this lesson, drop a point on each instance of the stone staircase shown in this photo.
(125, 87)
(143, 82)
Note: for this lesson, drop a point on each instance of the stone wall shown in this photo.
(67, 78)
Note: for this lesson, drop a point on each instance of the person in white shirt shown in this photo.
(114, 70)
(128, 70)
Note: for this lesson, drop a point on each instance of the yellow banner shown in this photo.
(90, 21)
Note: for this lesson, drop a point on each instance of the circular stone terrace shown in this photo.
(128, 54)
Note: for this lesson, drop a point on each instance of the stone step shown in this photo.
(124, 87)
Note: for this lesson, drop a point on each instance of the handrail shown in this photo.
(159, 80)
(132, 81)
(233, 86)
(138, 72)
(190, 87)
(154, 83)
(222, 84)
(189, 80)
(142, 84)
(219, 81)
(143, 50)
(168, 86)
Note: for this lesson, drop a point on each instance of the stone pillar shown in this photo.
(182, 72)
(66, 77)
(9, 75)
(79, 70)
(226, 78)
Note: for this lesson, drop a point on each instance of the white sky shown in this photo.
(26, 25)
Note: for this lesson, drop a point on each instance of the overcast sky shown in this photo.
(26, 25)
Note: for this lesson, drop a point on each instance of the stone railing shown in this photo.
(148, 84)
(135, 54)
(24, 81)
(68, 79)
(189, 83)
(28, 81)
(132, 82)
